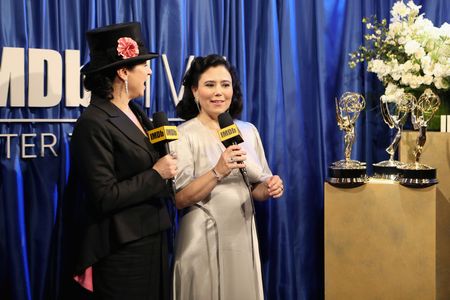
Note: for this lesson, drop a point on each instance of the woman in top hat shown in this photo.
(122, 248)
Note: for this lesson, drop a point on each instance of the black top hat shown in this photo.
(114, 46)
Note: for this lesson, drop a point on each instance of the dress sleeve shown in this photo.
(265, 170)
(185, 161)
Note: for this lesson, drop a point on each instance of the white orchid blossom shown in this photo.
(410, 54)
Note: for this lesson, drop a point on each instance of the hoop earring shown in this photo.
(196, 103)
(126, 86)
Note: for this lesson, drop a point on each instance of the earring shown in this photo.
(126, 86)
(196, 103)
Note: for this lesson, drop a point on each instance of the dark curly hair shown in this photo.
(101, 83)
(186, 108)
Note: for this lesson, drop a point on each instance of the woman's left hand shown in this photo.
(275, 186)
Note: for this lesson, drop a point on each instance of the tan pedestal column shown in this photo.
(381, 242)
(436, 153)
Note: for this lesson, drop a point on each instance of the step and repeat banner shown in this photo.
(43, 47)
(43, 89)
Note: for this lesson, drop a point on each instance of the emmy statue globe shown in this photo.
(394, 115)
(415, 174)
(348, 173)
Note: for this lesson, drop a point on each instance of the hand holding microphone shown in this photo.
(164, 133)
(233, 156)
(166, 166)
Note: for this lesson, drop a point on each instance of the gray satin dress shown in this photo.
(217, 254)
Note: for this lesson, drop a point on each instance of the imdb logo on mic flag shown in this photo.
(163, 133)
(228, 132)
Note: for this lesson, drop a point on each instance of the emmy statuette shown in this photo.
(348, 173)
(394, 115)
(415, 174)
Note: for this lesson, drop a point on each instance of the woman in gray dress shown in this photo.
(217, 255)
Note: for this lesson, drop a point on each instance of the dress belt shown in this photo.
(216, 233)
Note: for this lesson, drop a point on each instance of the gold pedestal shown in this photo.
(383, 241)
(436, 153)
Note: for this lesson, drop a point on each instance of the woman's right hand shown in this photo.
(232, 158)
(166, 166)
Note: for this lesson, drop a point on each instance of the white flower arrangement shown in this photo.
(409, 55)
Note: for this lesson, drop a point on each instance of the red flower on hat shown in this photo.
(127, 47)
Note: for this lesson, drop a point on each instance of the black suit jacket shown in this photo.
(116, 195)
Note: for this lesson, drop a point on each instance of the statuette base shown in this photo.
(416, 175)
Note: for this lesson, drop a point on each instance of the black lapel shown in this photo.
(124, 124)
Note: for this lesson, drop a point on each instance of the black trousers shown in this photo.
(137, 271)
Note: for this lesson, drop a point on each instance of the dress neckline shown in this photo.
(213, 133)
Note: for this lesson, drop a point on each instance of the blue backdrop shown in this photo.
(292, 61)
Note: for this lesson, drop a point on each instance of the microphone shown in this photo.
(161, 136)
(229, 134)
